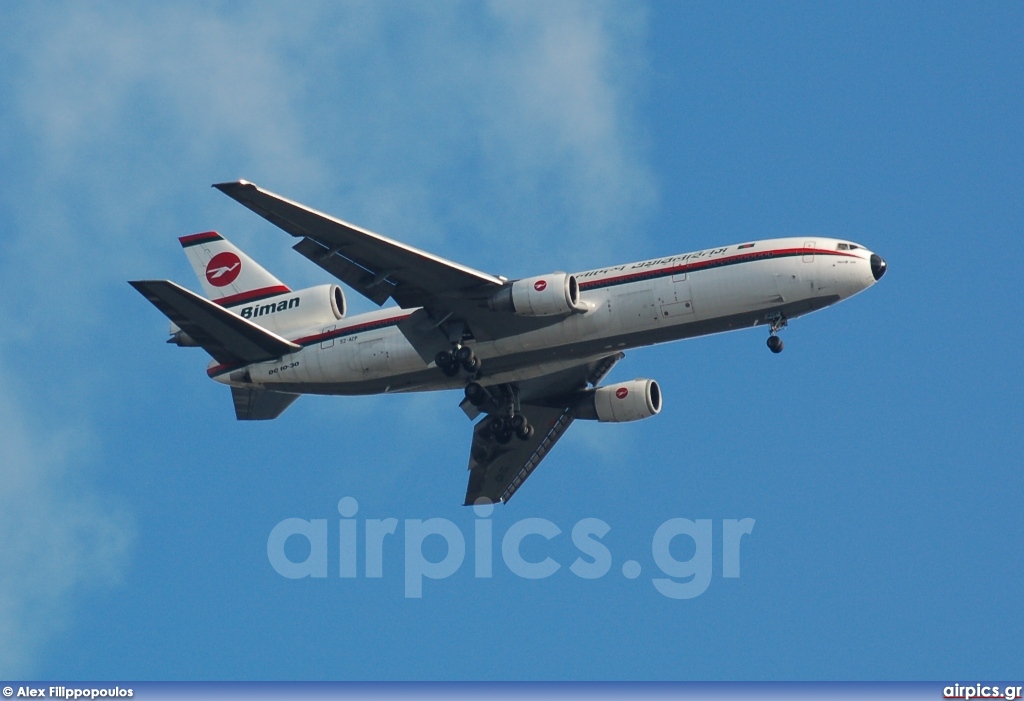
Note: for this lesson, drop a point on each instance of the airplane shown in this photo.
(528, 354)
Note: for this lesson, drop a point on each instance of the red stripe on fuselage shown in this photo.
(752, 256)
(349, 330)
(307, 341)
(222, 368)
(640, 274)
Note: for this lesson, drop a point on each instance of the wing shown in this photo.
(497, 471)
(380, 268)
(226, 336)
(374, 265)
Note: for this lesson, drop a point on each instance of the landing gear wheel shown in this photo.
(476, 394)
(521, 426)
(775, 344)
(446, 362)
(465, 357)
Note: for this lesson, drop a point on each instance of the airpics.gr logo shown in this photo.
(540, 285)
(223, 268)
(581, 549)
(621, 392)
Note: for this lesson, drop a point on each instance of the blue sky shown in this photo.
(880, 454)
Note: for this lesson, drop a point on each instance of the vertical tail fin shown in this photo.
(229, 277)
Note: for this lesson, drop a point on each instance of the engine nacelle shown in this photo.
(313, 306)
(323, 304)
(625, 401)
(544, 295)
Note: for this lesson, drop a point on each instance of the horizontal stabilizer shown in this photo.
(226, 336)
(260, 404)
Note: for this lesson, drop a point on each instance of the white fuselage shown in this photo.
(627, 306)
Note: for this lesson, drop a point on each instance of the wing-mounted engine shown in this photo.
(625, 401)
(544, 295)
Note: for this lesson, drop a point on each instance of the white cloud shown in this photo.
(58, 535)
(500, 135)
(108, 75)
(566, 113)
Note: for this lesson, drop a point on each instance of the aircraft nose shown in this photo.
(878, 266)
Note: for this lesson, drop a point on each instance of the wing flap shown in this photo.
(226, 336)
(355, 276)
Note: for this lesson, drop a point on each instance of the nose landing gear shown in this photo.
(778, 322)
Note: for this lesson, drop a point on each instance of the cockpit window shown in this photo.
(843, 247)
(854, 247)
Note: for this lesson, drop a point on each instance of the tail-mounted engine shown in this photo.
(544, 295)
(323, 304)
(291, 311)
(625, 401)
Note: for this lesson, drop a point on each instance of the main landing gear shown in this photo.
(507, 421)
(775, 344)
(459, 357)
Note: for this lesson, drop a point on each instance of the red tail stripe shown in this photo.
(193, 239)
(251, 295)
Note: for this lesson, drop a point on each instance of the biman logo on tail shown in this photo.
(223, 269)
